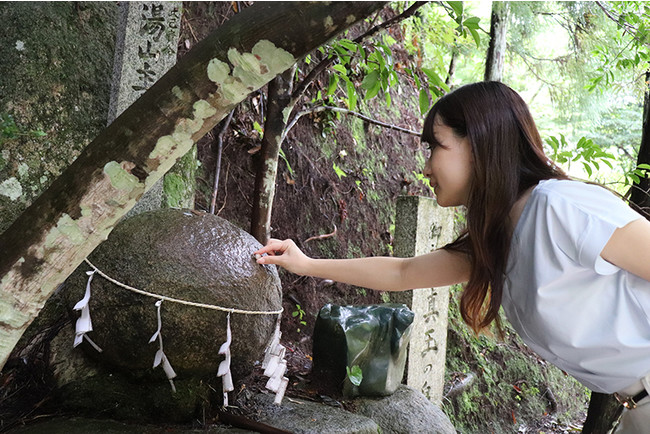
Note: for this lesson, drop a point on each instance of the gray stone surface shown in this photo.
(304, 417)
(77, 425)
(405, 411)
(191, 256)
(422, 226)
(55, 85)
(145, 49)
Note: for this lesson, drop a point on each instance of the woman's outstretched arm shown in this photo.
(438, 268)
(629, 248)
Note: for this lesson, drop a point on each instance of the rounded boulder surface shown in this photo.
(191, 256)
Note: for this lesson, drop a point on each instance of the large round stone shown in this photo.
(196, 257)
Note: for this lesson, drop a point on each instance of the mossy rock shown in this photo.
(185, 255)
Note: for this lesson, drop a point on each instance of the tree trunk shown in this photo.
(640, 193)
(51, 238)
(276, 128)
(497, 49)
(452, 66)
(279, 103)
(603, 408)
(603, 411)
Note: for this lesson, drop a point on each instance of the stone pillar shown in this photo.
(420, 227)
(145, 49)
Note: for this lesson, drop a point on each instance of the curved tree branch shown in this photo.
(79, 209)
(347, 112)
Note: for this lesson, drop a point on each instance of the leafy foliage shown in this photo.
(355, 375)
(10, 130)
(585, 152)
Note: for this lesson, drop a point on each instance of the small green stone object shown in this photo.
(370, 338)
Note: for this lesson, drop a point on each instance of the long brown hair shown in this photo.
(507, 160)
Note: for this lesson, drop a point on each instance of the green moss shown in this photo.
(356, 126)
(354, 251)
(59, 84)
(179, 183)
(510, 382)
(328, 248)
(328, 146)
(136, 400)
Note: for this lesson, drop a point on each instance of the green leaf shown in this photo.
(339, 172)
(355, 375)
(554, 143)
(340, 68)
(472, 22)
(373, 92)
(352, 95)
(457, 7)
(257, 127)
(370, 80)
(417, 80)
(435, 78)
(475, 35)
(284, 157)
(334, 82)
(393, 77)
(424, 101)
(349, 45)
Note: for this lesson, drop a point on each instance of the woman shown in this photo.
(568, 261)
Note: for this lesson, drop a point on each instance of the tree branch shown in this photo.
(325, 63)
(217, 171)
(81, 207)
(348, 112)
(630, 28)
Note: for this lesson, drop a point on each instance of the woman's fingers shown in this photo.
(271, 247)
(278, 252)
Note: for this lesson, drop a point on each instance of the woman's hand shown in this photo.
(285, 254)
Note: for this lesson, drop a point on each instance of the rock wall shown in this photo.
(54, 92)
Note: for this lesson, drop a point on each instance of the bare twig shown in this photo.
(530, 68)
(225, 189)
(189, 26)
(224, 128)
(321, 237)
(349, 112)
(626, 26)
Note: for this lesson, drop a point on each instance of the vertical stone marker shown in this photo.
(422, 226)
(145, 49)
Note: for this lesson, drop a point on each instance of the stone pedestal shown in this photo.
(422, 226)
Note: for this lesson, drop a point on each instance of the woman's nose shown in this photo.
(426, 170)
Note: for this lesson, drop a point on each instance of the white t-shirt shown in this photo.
(579, 312)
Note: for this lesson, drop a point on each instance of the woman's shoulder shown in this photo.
(586, 197)
(569, 186)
